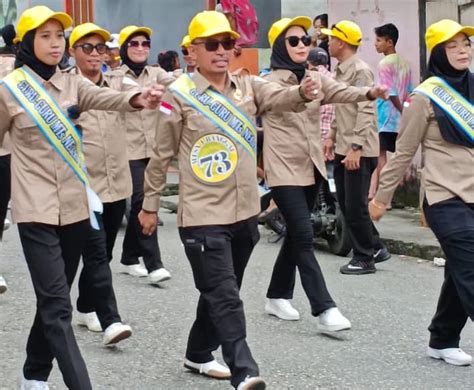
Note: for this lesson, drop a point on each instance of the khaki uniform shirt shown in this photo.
(185, 132)
(44, 188)
(141, 125)
(292, 141)
(355, 122)
(448, 169)
(7, 63)
(105, 144)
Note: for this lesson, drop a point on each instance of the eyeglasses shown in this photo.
(185, 52)
(136, 44)
(213, 45)
(88, 48)
(294, 41)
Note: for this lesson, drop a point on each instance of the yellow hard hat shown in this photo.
(281, 25)
(126, 32)
(346, 31)
(85, 29)
(443, 31)
(186, 42)
(34, 17)
(208, 23)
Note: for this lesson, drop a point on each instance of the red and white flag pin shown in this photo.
(166, 108)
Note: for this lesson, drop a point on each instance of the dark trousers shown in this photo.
(296, 203)
(136, 244)
(96, 292)
(5, 188)
(218, 256)
(352, 190)
(52, 254)
(452, 221)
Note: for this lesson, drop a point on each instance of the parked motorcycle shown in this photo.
(326, 217)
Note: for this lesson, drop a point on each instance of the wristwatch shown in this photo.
(356, 147)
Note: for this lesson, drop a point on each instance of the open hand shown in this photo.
(352, 160)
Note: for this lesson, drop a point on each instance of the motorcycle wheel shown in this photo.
(340, 243)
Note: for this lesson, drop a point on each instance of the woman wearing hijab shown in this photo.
(51, 199)
(440, 118)
(135, 46)
(294, 167)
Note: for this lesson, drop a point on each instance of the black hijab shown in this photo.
(280, 58)
(26, 56)
(460, 80)
(136, 68)
(8, 34)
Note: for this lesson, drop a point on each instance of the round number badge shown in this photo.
(213, 158)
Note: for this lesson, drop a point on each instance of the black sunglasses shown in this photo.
(213, 45)
(294, 41)
(185, 52)
(135, 44)
(88, 48)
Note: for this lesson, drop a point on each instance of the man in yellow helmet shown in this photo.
(105, 146)
(354, 131)
(207, 121)
(189, 58)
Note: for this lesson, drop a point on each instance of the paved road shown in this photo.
(385, 350)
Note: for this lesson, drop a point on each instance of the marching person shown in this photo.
(207, 121)
(105, 146)
(135, 46)
(354, 132)
(294, 169)
(189, 58)
(7, 61)
(51, 198)
(112, 56)
(439, 116)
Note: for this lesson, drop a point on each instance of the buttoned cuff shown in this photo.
(129, 97)
(359, 140)
(151, 204)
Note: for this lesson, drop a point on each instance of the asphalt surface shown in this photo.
(389, 311)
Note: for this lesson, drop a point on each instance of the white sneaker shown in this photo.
(3, 285)
(252, 383)
(158, 276)
(137, 270)
(89, 320)
(30, 384)
(116, 332)
(7, 224)
(211, 369)
(332, 320)
(454, 356)
(282, 309)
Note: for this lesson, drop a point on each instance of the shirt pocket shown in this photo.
(25, 129)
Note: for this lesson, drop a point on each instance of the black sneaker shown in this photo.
(382, 255)
(358, 267)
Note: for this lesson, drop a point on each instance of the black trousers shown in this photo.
(296, 203)
(352, 190)
(5, 188)
(218, 256)
(452, 221)
(96, 292)
(136, 244)
(52, 254)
